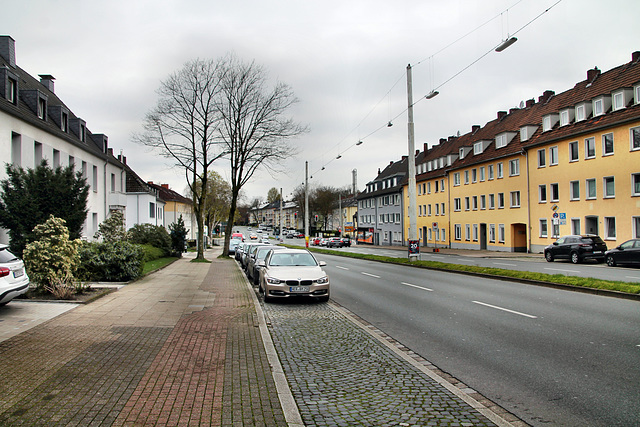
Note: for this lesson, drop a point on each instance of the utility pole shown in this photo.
(413, 200)
(340, 211)
(306, 203)
(281, 219)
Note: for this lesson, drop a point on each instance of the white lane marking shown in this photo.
(558, 269)
(341, 268)
(505, 309)
(416, 286)
(504, 263)
(369, 274)
(632, 277)
(436, 256)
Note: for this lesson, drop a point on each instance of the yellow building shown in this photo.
(566, 164)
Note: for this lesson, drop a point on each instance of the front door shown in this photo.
(591, 225)
(483, 236)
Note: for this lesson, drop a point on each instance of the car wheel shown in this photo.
(548, 256)
(610, 261)
(575, 258)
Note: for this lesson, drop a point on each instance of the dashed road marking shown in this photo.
(416, 286)
(369, 274)
(341, 268)
(505, 309)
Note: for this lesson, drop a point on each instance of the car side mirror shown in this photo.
(555, 243)
(322, 263)
(620, 248)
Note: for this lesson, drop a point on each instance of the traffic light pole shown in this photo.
(306, 204)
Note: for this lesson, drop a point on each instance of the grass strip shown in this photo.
(156, 264)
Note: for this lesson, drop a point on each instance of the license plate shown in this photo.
(18, 273)
(298, 289)
(597, 252)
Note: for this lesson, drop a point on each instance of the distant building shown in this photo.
(176, 205)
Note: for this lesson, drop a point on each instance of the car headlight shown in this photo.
(323, 280)
(273, 281)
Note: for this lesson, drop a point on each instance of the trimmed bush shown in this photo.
(111, 261)
(153, 235)
(151, 253)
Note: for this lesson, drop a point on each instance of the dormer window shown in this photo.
(442, 162)
(12, 90)
(583, 111)
(503, 139)
(42, 108)
(636, 90)
(601, 105)
(461, 153)
(566, 116)
(549, 121)
(83, 133)
(526, 132)
(64, 124)
(480, 146)
(621, 98)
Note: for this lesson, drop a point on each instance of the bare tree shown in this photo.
(184, 126)
(254, 127)
(218, 200)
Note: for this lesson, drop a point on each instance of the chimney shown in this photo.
(502, 115)
(110, 151)
(635, 56)
(164, 186)
(417, 152)
(475, 128)
(546, 96)
(592, 74)
(47, 81)
(8, 50)
(426, 147)
(530, 102)
(513, 110)
(150, 182)
(443, 140)
(124, 159)
(451, 138)
(391, 163)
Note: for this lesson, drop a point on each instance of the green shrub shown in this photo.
(151, 253)
(51, 258)
(111, 261)
(153, 235)
(178, 235)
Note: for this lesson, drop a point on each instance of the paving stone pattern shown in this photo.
(341, 376)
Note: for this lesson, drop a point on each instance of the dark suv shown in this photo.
(576, 248)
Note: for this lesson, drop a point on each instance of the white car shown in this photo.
(13, 277)
(288, 273)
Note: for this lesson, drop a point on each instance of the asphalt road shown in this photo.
(550, 356)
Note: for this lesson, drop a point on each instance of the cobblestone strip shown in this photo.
(341, 376)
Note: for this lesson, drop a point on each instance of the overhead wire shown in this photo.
(422, 98)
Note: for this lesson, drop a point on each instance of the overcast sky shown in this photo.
(345, 60)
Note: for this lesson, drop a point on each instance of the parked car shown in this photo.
(233, 245)
(240, 251)
(253, 270)
(346, 241)
(626, 253)
(253, 236)
(246, 253)
(13, 277)
(334, 242)
(576, 248)
(238, 235)
(292, 272)
(314, 241)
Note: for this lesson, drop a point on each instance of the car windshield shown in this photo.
(294, 259)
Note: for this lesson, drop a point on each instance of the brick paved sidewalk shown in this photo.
(179, 347)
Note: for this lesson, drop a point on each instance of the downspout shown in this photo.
(526, 154)
(446, 174)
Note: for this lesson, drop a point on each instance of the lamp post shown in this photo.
(413, 200)
(306, 204)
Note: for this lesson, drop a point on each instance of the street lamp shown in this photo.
(506, 43)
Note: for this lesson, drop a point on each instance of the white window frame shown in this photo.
(542, 193)
(610, 231)
(554, 187)
(605, 152)
(492, 201)
(482, 174)
(457, 229)
(617, 101)
(457, 204)
(501, 140)
(543, 227)
(574, 193)
(589, 184)
(606, 193)
(514, 167)
(467, 232)
(456, 179)
(490, 172)
(515, 199)
(500, 200)
(598, 107)
(542, 158)
(635, 184)
(635, 226)
(634, 138)
(590, 146)
(553, 155)
(501, 233)
(580, 113)
(574, 156)
(500, 171)
(575, 226)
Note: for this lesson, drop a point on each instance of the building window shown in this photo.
(500, 200)
(553, 155)
(598, 107)
(635, 184)
(609, 187)
(152, 210)
(555, 192)
(12, 90)
(635, 138)
(515, 199)
(546, 123)
(16, 149)
(95, 179)
(500, 170)
(575, 225)
(492, 233)
(429, 209)
(474, 175)
(475, 203)
(607, 144)
(457, 204)
(501, 141)
(542, 193)
(428, 188)
(483, 202)
(543, 228)
(64, 124)
(456, 179)
(574, 155)
(542, 158)
(610, 227)
(492, 201)
(556, 230)
(618, 101)
(514, 167)
(466, 177)
(501, 233)
(475, 232)
(490, 171)
(419, 210)
(580, 115)
(467, 232)
(591, 188)
(574, 192)
(56, 158)
(636, 227)
(564, 117)
(481, 173)
(589, 148)
(397, 218)
(42, 108)
(437, 209)
(442, 208)
(467, 205)
(457, 229)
